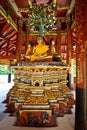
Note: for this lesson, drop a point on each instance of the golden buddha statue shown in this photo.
(52, 46)
(53, 51)
(40, 50)
(30, 50)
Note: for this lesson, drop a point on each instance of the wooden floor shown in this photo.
(7, 122)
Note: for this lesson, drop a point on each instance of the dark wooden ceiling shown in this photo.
(20, 9)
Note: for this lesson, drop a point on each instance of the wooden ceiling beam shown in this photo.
(12, 35)
(2, 43)
(5, 15)
(13, 38)
(7, 31)
(72, 5)
(6, 25)
(2, 19)
(14, 7)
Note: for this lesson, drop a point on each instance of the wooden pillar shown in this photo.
(69, 40)
(27, 36)
(59, 38)
(80, 67)
(19, 40)
(69, 49)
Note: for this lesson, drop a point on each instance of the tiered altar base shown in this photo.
(40, 93)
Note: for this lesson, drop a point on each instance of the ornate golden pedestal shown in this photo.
(40, 93)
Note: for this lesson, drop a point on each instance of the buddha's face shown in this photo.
(29, 45)
(39, 40)
(53, 42)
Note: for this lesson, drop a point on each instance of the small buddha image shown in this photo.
(30, 49)
(52, 46)
(40, 49)
(55, 55)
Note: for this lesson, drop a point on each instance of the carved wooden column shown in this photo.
(69, 40)
(59, 38)
(19, 40)
(27, 36)
(80, 66)
(69, 49)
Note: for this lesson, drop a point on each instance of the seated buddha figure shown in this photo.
(52, 46)
(30, 50)
(53, 51)
(40, 50)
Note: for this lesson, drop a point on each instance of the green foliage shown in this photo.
(41, 19)
(4, 70)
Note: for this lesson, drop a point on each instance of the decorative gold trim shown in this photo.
(23, 9)
(61, 7)
(4, 14)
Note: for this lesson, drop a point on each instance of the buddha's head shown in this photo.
(39, 40)
(52, 41)
(30, 44)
